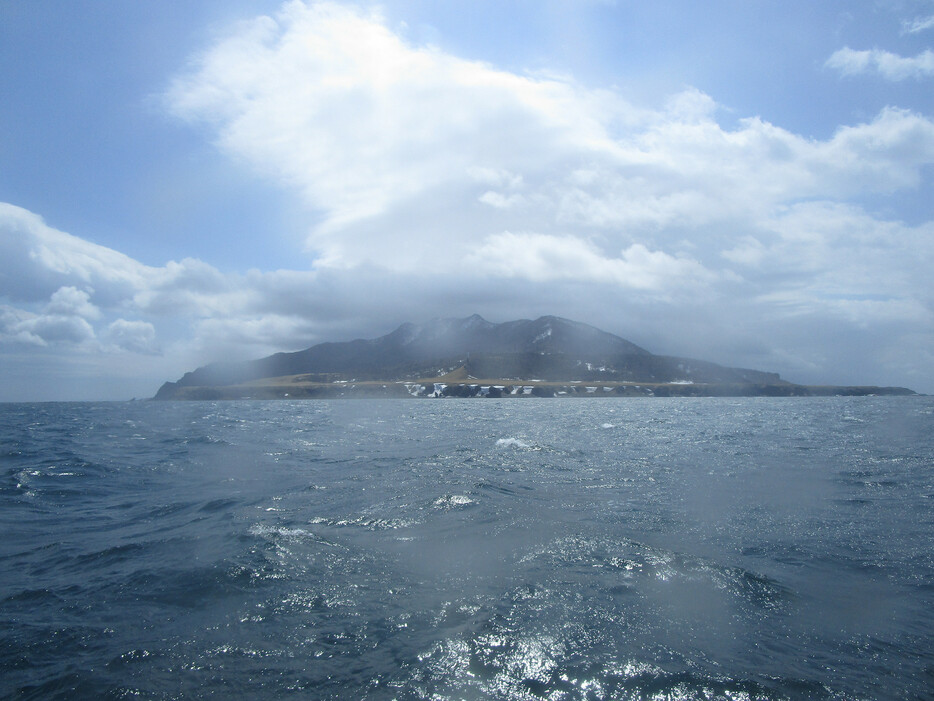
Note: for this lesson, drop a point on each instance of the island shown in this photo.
(472, 357)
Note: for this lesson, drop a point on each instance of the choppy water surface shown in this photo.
(469, 549)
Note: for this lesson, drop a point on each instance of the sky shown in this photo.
(747, 182)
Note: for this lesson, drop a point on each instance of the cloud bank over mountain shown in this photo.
(436, 185)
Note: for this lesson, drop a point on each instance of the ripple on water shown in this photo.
(737, 549)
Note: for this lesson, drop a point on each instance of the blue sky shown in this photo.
(747, 182)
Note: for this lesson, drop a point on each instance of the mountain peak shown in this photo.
(474, 321)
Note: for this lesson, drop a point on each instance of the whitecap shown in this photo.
(512, 443)
(367, 522)
(282, 531)
(449, 501)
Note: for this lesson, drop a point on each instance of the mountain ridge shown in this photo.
(545, 350)
(412, 350)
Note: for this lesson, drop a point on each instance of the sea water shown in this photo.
(468, 549)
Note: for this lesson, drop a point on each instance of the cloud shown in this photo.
(919, 24)
(133, 336)
(22, 327)
(65, 275)
(442, 186)
(406, 150)
(36, 260)
(831, 259)
(14, 329)
(53, 328)
(63, 320)
(61, 291)
(70, 301)
(883, 63)
(544, 258)
(332, 102)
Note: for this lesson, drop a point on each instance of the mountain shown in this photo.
(548, 349)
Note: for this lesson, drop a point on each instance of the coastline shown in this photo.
(295, 388)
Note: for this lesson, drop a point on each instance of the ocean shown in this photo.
(468, 549)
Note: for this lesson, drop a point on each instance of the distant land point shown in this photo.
(472, 357)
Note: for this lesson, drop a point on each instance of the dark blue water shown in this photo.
(469, 549)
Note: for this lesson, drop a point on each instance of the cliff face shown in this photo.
(549, 348)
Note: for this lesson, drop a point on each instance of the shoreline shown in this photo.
(511, 389)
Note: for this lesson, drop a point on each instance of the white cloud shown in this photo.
(884, 63)
(70, 276)
(835, 261)
(70, 301)
(64, 320)
(919, 24)
(133, 336)
(408, 151)
(36, 260)
(19, 326)
(13, 327)
(332, 102)
(53, 328)
(501, 201)
(544, 258)
(65, 292)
